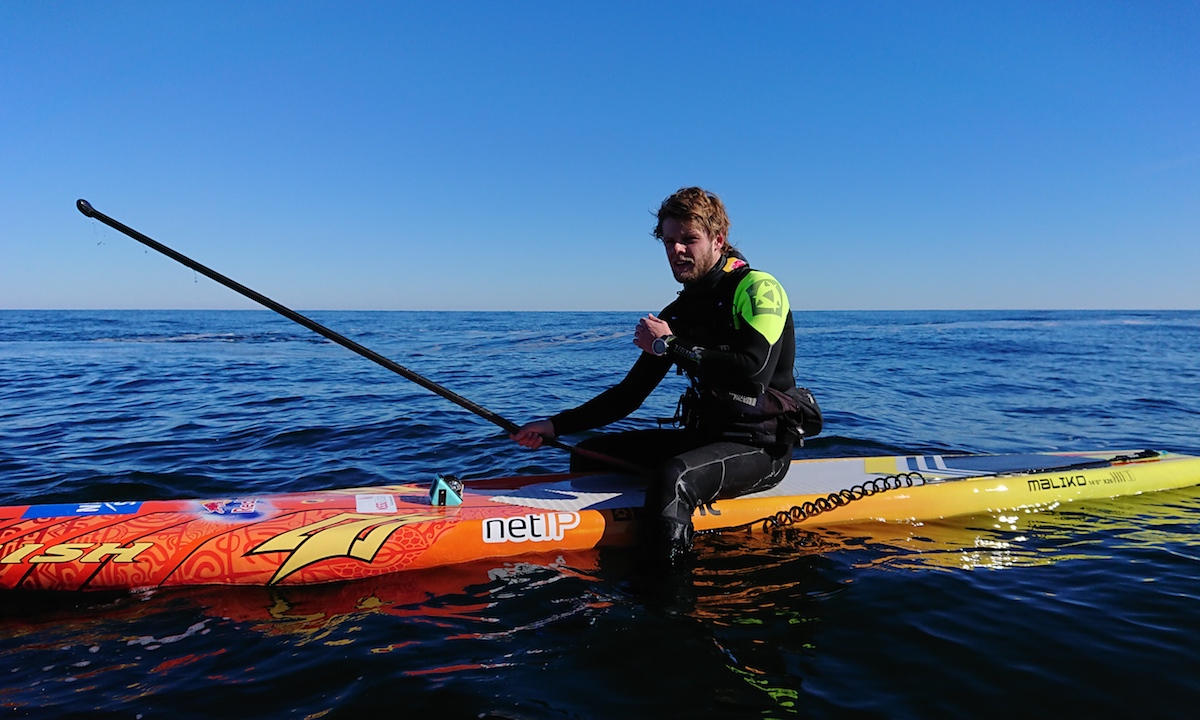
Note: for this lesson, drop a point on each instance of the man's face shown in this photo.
(690, 250)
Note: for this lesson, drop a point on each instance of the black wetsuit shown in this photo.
(733, 336)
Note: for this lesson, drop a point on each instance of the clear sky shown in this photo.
(508, 155)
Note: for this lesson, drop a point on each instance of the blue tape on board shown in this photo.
(446, 490)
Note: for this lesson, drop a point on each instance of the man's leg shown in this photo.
(700, 476)
(645, 448)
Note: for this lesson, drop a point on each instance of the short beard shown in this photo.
(692, 272)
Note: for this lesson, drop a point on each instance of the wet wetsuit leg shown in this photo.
(685, 475)
(716, 470)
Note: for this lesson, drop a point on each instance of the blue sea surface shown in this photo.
(1089, 609)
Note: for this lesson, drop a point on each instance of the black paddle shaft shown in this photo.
(86, 208)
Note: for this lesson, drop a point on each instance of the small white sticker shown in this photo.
(375, 503)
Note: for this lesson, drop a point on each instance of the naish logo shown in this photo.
(128, 507)
(351, 535)
(35, 553)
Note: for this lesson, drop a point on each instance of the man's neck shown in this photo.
(708, 279)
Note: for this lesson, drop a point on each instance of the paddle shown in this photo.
(86, 208)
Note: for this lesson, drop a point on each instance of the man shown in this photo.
(731, 331)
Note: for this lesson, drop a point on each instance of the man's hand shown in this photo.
(648, 329)
(532, 434)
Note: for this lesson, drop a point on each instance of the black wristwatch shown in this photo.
(661, 344)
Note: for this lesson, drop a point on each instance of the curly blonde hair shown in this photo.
(697, 205)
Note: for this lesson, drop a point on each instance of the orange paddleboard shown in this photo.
(335, 535)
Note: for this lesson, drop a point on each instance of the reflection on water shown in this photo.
(793, 613)
(760, 619)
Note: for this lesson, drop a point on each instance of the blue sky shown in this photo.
(353, 155)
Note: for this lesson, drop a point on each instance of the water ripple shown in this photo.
(1082, 603)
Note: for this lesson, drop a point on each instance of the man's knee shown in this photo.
(683, 487)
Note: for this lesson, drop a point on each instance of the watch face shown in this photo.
(659, 346)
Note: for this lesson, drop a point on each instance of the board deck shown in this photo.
(336, 535)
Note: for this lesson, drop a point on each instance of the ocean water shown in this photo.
(1090, 609)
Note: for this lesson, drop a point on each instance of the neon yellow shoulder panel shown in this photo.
(760, 302)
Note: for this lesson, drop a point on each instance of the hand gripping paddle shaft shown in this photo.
(86, 208)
